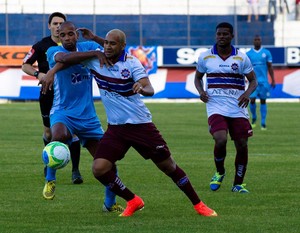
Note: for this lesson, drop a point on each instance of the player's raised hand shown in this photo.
(89, 35)
(86, 33)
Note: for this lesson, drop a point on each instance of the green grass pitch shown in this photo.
(272, 178)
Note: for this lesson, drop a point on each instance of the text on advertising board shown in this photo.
(293, 56)
(188, 56)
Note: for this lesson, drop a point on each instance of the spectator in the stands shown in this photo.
(252, 9)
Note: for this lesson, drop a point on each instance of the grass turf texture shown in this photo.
(272, 178)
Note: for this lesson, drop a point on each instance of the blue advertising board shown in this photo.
(188, 56)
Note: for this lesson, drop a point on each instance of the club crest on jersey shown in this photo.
(234, 66)
(125, 73)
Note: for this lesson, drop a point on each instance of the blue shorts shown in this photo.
(237, 127)
(261, 91)
(85, 129)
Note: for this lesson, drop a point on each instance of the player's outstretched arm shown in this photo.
(89, 35)
(78, 57)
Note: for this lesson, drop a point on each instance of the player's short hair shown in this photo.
(225, 25)
(68, 23)
(121, 35)
(256, 36)
(56, 14)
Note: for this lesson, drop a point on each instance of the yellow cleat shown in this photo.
(49, 189)
(239, 188)
(116, 208)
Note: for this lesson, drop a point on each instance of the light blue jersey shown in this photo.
(73, 103)
(259, 60)
(73, 85)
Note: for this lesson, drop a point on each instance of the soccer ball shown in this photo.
(56, 155)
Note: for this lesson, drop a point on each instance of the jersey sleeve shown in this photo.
(247, 65)
(138, 71)
(269, 56)
(92, 64)
(51, 52)
(32, 56)
(96, 46)
(91, 46)
(200, 64)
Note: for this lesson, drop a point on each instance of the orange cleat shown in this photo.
(202, 209)
(133, 205)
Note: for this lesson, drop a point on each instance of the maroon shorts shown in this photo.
(144, 138)
(237, 127)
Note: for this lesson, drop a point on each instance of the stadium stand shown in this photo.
(167, 23)
(164, 30)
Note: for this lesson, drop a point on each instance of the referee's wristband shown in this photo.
(36, 74)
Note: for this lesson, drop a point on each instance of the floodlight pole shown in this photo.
(141, 23)
(94, 17)
(235, 25)
(44, 20)
(188, 24)
(6, 24)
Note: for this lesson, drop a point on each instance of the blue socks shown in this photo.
(51, 174)
(253, 112)
(110, 198)
(263, 113)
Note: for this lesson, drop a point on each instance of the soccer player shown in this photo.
(261, 60)
(129, 123)
(38, 54)
(73, 110)
(226, 102)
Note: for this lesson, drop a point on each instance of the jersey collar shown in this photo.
(234, 50)
(123, 56)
